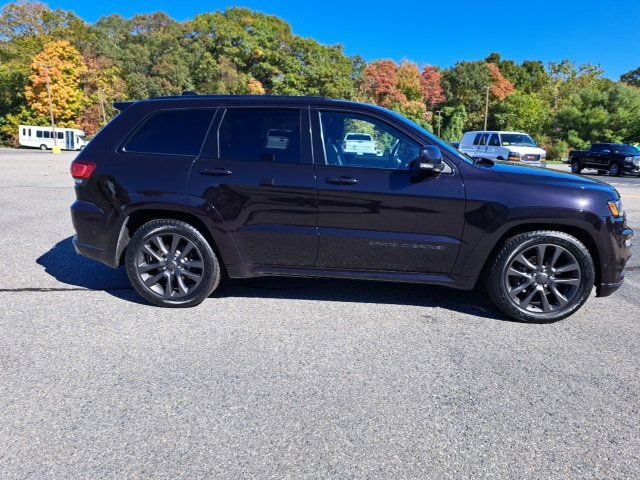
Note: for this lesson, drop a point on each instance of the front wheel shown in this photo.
(575, 166)
(541, 276)
(614, 169)
(43, 147)
(171, 264)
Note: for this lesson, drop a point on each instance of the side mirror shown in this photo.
(429, 161)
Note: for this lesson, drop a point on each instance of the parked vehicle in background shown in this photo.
(180, 189)
(360, 144)
(505, 146)
(43, 137)
(612, 158)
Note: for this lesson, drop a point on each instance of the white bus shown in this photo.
(42, 137)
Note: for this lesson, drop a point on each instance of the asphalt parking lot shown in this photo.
(295, 378)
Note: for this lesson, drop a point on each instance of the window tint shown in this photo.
(260, 134)
(483, 138)
(60, 135)
(172, 132)
(39, 133)
(385, 146)
(494, 141)
(24, 131)
(476, 140)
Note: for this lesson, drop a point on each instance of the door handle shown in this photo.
(342, 180)
(216, 172)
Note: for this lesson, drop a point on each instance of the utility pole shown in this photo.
(486, 106)
(439, 112)
(53, 123)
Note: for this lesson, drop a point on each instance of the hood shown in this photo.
(549, 176)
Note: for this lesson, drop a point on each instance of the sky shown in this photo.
(605, 33)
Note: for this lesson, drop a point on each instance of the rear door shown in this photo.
(481, 140)
(256, 174)
(592, 157)
(372, 215)
(493, 147)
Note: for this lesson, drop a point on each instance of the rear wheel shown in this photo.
(541, 276)
(43, 147)
(575, 166)
(614, 169)
(171, 264)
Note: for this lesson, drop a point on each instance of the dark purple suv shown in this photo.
(182, 189)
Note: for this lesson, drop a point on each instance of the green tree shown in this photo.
(524, 112)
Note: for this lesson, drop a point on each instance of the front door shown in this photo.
(372, 214)
(256, 173)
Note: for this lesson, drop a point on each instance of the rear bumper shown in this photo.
(96, 236)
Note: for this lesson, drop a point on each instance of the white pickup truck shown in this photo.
(360, 144)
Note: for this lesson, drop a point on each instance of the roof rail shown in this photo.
(189, 92)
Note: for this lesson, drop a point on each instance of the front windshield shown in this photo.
(627, 149)
(517, 140)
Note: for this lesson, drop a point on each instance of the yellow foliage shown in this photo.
(63, 65)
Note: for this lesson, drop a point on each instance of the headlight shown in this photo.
(628, 159)
(615, 207)
(514, 156)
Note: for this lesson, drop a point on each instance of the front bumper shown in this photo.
(614, 256)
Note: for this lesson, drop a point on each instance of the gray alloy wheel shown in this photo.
(543, 278)
(614, 169)
(540, 276)
(171, 264)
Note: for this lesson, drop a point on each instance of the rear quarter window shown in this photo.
(171, 132)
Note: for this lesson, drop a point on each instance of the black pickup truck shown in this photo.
(615, 158)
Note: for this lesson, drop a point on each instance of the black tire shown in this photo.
(43, 147)
(601, 172)
(614, 169)
(173, 275)
(575, 166)
(499, 277)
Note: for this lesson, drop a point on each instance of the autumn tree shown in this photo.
(432, 91)
(501, 88)
(62, 66)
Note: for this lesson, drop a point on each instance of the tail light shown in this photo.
(82, 170)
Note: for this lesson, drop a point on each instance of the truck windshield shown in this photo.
(627, 149)
(517, 139)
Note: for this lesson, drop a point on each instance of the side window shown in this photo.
(60, 135)
(483, 138)
(47, 134)
(171, 132)
(355, 140)
(24, 131)
(494, 141)
(260, 134)
(39, 133)
(476, 141)
(597, 148)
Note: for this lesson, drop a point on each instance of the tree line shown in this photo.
(53, 60)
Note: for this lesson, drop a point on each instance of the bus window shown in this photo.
(39, 133)
(29, 132)
(47, 134)
(24, 131)
(60, 136)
